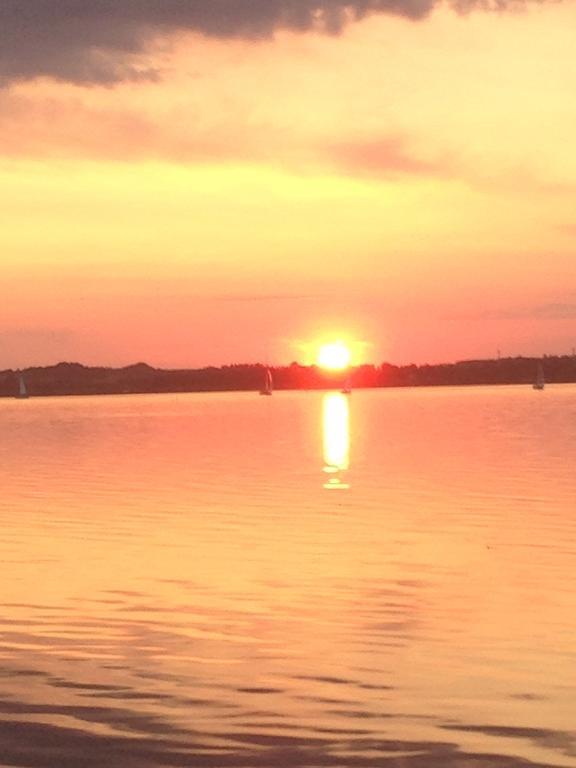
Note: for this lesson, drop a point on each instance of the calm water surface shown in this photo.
(227, 580)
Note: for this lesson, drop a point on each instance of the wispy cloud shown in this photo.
(557, 311)
(560, 310)
(62, 126)
(384, 157)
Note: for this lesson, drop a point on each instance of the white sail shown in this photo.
(22, 390)
(268, 384)
(347, 388)
(540, 380)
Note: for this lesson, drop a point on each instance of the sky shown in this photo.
(203, 182)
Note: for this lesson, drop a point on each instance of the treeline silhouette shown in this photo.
(77, 379)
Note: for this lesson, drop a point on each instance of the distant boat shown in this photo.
(540, 382)
(267, 388)
(22, 390)
(347, 388)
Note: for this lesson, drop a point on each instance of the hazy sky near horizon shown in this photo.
(210, 181)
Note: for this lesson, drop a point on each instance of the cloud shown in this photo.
(65, 127)
(557, 311)
(387, 157)
(107, 41)
(560, 310)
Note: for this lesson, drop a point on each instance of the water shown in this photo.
(231, 581)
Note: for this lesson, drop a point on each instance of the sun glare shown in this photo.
(335, 356)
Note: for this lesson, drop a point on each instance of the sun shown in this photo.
(334, 356)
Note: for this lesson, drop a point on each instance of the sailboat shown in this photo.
(540, 381)
(267, 388)
(347, 388)
(22, 390)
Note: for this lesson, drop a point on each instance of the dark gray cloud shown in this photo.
(103, 41)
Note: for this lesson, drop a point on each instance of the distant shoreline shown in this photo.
(76, 379)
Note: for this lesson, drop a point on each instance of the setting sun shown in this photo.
(335, 356)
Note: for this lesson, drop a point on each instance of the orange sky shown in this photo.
(407, 185)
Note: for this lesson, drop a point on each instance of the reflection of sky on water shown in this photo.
(336, 438)
(178, 589)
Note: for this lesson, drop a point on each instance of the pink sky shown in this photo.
(407, 185)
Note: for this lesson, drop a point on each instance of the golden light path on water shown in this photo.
(336, 438)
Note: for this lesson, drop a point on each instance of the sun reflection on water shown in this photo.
(336, 439)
